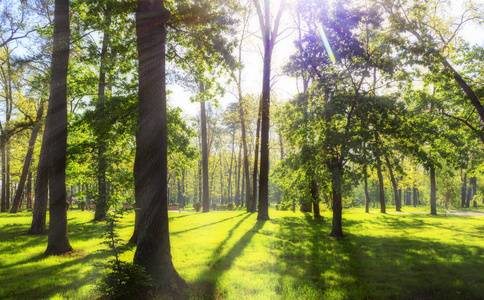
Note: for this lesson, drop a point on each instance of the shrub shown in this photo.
(230, 206)
(124, 282)
(82, 204)
(197, 206)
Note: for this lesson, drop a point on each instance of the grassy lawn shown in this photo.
(229, 255)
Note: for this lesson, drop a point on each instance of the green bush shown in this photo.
(82, 204)
(230, 206)
(124, 282)
(197, 206)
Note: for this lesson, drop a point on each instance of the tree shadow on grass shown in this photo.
(66, 277)
(206, 287)
(205, 225)
(362, 266)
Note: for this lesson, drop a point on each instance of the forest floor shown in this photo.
(231, 255)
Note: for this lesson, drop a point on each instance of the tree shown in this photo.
(58, 240)
(269, 38)
(153, 246)
(28, 159)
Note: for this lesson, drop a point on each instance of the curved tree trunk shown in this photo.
(28, 159)
(398, 202)
(58, 240)
(41, 191)
(150, 174)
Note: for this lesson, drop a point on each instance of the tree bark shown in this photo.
(336, 171)
(237, 191)
(58, 240)
(398, 203)
(381, 187)
(205, 190)
(433, 191)
(315, 198)
(28, 159)
(367, 195)
(4, 175)
(151, 167)
(102, 203)
(253, 205)
(29, 190)
(41, 191)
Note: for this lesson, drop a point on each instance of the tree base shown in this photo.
(336, 234)
(55, 250)
(36, 231)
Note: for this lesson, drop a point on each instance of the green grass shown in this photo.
(229, 255)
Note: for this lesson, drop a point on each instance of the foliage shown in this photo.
(197, 206)
(230, 206)
(125, 280)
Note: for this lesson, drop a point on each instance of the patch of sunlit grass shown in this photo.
(231, 255)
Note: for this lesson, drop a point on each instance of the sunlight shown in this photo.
(326, 43)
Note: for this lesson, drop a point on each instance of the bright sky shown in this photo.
(283, 87)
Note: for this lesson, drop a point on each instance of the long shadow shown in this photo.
(374, 267)
(70, 279)
(205, 225)
(219, 264)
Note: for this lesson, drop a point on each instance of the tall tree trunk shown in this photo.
(242, 203)
(315, 198)
(398, 203)
(41, 191)
(336, 171)
(203, 120)
(253, 205)
(58, 240)
(27, 162)
(29, 190)
(230, 169)
(102, 203)
(151, 167)
(464, 190)
(433, 191)
(381, 187)
(7, 175)
(367, 195)
(237, 192)
(415, 197)
(4, 174)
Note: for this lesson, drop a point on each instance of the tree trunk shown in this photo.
(367, 195)
(205, 191)
(336, 171)
(265, 118)
(4, 175)
(230, 169)
(151, 167)
(433, 191)
(253, 205)
(315, 198)
(7, 175)
(29, 190)
(41, 191)
(464, 190)
(415, 197)
(102, 203)
(381, 187)
(58, 240)
(237, 191)
(398, 203)
(27, 162)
